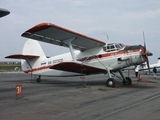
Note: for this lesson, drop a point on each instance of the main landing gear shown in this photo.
(39, 79)
(111, 82)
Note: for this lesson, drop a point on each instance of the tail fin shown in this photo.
(33, 48)
(32, 56)
(159, 60)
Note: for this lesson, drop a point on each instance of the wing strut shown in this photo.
(30, 67)
(68, 41)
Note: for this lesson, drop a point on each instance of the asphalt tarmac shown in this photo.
(63, 98)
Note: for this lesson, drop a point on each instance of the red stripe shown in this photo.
(38, 69)
(113, 54)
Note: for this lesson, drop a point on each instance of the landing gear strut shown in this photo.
(39, 79)
(126, 80)
(111, 82)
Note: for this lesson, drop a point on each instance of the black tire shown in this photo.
(110, 82)
(38, 79)
(128, 82)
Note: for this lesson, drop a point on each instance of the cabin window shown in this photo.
(100, 56)
(85, 59)
(95, 57)
(90, 58)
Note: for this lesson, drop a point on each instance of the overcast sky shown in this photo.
(123, 20)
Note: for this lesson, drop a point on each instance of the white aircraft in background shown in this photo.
(92, 56)
(144, 67)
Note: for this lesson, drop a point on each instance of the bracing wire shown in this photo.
(97, 59)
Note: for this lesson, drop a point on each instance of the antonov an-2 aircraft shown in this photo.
(92, 56)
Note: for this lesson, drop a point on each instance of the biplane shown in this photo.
(87, 55)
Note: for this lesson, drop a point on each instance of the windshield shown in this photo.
(113, 47)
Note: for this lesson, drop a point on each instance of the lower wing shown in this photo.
(78, 68)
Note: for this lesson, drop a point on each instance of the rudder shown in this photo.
(32, 47)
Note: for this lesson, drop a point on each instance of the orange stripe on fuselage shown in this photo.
(104, 56)
(38, 69)
(111, 55)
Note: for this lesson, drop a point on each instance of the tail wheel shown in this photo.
(110, 82)
(39, 79)
(128, 81)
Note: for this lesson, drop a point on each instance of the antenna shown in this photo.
(107, 37)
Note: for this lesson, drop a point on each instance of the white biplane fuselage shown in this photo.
(113, 60)
(93, 56)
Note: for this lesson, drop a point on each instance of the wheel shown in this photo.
(110, 82)
(128, 82)
(39, 79)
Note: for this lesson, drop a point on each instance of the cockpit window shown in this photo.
(122, 45)
(118, 46)
(113, 47)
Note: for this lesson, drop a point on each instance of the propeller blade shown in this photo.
(148, 65)
(144, 41)
(146, 54)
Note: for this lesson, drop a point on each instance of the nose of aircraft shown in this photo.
(149, 54)
(145, 54)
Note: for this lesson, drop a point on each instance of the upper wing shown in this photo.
(57, 35)
(77, 68)
(20, 56)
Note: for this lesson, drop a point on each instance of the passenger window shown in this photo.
(89, 58)
(100, 56)
(85, 59)
(95, 57)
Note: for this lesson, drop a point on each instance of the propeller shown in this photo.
(146, 53)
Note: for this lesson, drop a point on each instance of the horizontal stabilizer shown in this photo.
(77, 68)
(20, 56)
